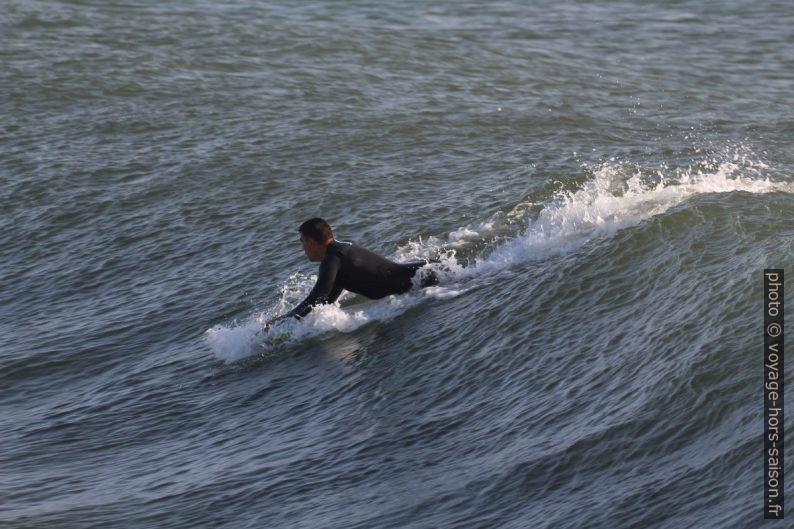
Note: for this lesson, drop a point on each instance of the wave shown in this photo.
(615, 196)
(234, 342)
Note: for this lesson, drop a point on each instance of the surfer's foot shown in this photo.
(429, 278)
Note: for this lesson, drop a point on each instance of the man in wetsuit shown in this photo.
(348, 266)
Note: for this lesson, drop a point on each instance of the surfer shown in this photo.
(348, 266)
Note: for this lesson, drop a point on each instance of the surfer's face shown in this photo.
(312, 249)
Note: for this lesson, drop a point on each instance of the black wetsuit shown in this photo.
(352, 267)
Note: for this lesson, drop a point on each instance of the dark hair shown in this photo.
(316, 229)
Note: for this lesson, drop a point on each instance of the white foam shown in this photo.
(619, 195)
(466, 233)
(234, 342)
(241, 340)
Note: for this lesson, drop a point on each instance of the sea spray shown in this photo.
(618, 195)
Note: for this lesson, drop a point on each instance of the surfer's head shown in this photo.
(315, 234)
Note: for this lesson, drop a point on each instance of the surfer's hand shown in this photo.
(270, 323)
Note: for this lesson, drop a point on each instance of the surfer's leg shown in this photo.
(428, 277)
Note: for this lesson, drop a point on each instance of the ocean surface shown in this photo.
(604, 183)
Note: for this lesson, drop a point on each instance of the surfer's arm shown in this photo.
(325, 289)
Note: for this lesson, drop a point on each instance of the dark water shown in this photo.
(605, 184)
